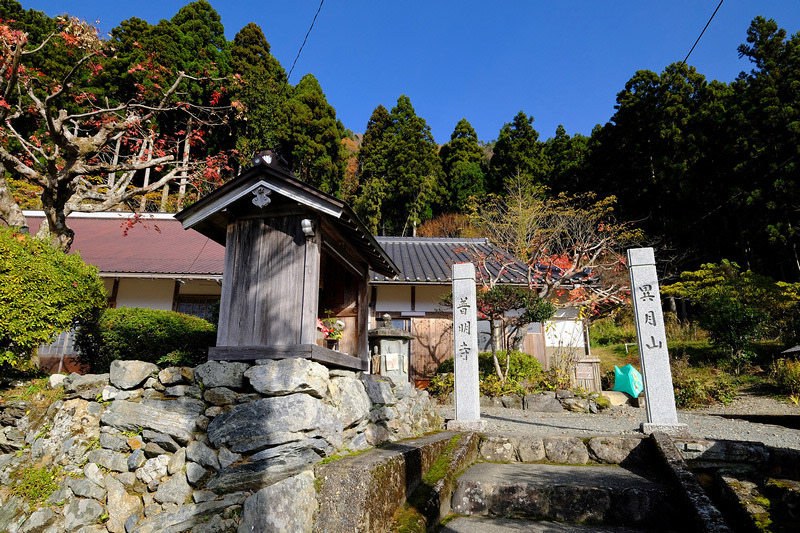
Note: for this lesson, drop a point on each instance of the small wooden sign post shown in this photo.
(465, 351)
(652, 339)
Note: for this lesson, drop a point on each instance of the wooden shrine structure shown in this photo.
(293, 255)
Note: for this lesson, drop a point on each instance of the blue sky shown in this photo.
(562, 62)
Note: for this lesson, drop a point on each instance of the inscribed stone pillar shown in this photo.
(652, 340)
(465, 350)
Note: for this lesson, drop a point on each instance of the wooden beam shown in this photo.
(301, 351)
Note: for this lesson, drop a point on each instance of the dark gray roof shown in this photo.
(209, 214)
(430, 259)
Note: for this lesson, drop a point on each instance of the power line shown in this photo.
(306, 38)
(702, 32)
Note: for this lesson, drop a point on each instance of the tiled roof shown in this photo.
(429, 260)
(157, 246)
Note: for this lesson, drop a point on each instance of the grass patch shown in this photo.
(410, 518)
(35, 484)
(36, 392)
(347, 453)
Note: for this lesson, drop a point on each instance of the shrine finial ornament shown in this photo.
(261, 197)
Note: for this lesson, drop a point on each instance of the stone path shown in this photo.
(748, 418)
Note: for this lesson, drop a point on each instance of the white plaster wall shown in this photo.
(395, 298)
(201, 288)
(428, 298)
(152, 293)
(564, 332)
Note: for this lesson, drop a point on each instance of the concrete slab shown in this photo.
(604, 495)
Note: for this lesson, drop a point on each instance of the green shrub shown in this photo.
(785, 374)
(525, 374)
(607, 331)
(43, 291)
(698, 387)
(35, 484)
(153, 335)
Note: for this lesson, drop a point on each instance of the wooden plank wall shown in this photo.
(264, 296)
(431, 345)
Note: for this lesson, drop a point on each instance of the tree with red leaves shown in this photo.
(569, 249)
(87, 152)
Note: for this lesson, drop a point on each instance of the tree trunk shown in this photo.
(10, 211)
(493, 342)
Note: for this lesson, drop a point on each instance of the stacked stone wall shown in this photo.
(223, 447)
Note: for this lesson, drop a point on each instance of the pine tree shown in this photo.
(518, 156)
(262, 92)
(310, 136)
(462, 162)
(400, 171)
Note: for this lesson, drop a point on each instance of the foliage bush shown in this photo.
(606, 331)
(697, 387)
(525, 374)
(785, 375)
(43, 291)
(35, 484)
(153, 335)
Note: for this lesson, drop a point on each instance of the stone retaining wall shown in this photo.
(222, 447)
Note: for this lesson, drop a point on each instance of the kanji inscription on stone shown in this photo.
(465, 343)
(652, 340)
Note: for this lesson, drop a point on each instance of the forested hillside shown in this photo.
(155, 115)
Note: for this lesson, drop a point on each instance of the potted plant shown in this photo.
(331, 328)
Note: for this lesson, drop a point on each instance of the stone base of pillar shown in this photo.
(674, 430)
(466, 425)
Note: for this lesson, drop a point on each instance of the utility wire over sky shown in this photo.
(702, 32)
(289, 77)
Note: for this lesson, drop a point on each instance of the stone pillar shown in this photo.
(465, 351)
(652, 339)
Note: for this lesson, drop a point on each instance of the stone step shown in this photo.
(473, 524)
(608, 495)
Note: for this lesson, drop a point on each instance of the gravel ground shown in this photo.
(749, 418)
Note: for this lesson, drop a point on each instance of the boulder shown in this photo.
(576, 405)
(221, 374)
(201, 454)
(39, 521)
(289, 376)
(220, 396)
(120, 505)
(511, 401)
(565, 450)
(175, 490)
(544, 402)
(350, 399)
(196, 474)
(153, 469)
(130, 374)
(227, 457)
(498, 449)
(176, 419)
(85, 488)
(253, 476)
(288, 505)
(251, 427)
(618, 450)
(379, 389)
(116, 461)
(531, 450)
(177, 462)
(86, 387)
(81, 512)
(616, 398)
(56, 380)
(163, 440)
(185, 516)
